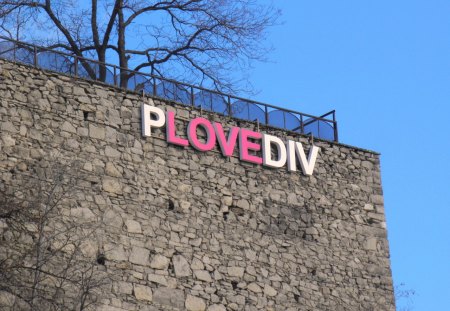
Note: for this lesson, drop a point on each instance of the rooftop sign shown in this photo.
(289, 153)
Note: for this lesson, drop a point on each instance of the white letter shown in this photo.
(307, 165)
(147, 122)
(267, 141)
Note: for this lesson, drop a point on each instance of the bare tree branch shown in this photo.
(42, 265)
(195, 40)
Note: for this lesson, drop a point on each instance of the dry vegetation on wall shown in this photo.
(49, 258)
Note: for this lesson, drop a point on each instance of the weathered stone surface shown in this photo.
(139, 255)
(111, 218)
(197, 264)
(216, 308)
(68, 127)
(269, 290)
(7, 300)
(203, 275)
(181, 266)
(123, 287)
(8, 127)
(143, 292)
(377, 199)
(169, 297)
(111, 170)
(111, 152)
(194, 303)
(158, 279)
(8, 141)
(227, 200)
(112, 185)
(236, 271)
(243, 204)
(133, 226)
(371, 244)
(96, 132)
(82, 212)
(117, 253)
(254, 288)
(109, 308)
(159, 262)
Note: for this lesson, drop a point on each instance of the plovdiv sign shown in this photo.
(288, 152)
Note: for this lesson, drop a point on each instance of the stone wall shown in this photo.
(183, 229)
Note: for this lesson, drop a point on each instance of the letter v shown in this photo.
(296, 148)
(226, 145)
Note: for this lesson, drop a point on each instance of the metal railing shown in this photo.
(324, 126)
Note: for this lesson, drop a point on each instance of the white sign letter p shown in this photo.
(147, 122)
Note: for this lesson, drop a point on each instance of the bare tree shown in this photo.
(202, 41)
(404, 298)
(47, 261)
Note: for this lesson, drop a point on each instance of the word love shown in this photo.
(249, 141)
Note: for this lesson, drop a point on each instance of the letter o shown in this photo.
(210, 134)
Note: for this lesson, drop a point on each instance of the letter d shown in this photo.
(267, 142)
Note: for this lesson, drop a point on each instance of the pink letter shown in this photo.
(170, 131)
(245, 146)
(227, 146)
(210, 135)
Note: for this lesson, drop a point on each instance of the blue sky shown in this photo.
(385, 67)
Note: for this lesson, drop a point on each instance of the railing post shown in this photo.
(76, 66)
(154, 86)
(266, 115)
(318, 128)
(302, 128)
(229, 106)
(336, 139)
(35, 59)
(335, 127)
(192, 96)
(115, 75)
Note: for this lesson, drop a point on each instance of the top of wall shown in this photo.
(266, 128)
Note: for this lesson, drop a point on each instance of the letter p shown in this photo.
(147, 122)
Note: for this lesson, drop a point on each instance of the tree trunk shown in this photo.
(102, 68)
(123, 60)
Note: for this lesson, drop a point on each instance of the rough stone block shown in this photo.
(68, 127)
(269, 290)
(112, 185)
(111, 170)
(194, 303)
(139, 256)
(157, 278)
(169, 297)
(133, 226)
(203, 275)
(116, 253)
(216, 308)
(181, 266)
(96, 132)
(371, 244)
(142, 292)
(254, 288)
(159, 262)
(236, 271)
